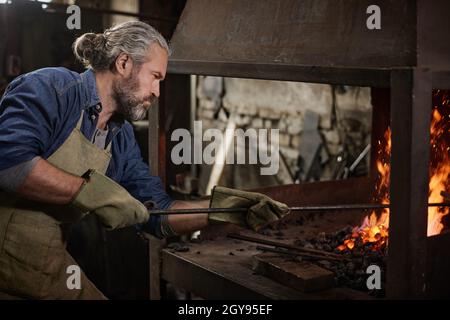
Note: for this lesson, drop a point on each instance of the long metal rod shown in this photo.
(297, 253)
(284, 245)
(366, 206)
(360, 158)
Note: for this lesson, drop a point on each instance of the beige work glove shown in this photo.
(114, 206)
(261, 209)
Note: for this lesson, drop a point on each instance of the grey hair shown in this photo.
(100, 50)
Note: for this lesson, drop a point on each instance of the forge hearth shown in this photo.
(402, 63)
(366, 244)
(349, 272)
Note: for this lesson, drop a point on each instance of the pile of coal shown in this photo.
(354, 272)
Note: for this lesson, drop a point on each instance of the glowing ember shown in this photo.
(374, 228)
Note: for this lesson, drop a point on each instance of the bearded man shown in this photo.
(68, 149)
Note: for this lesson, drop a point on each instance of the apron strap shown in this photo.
(108, 147)
(78, 126)
(80, 121)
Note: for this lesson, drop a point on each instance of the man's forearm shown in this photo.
(187, 223)
(49, 184)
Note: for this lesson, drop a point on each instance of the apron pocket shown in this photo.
(30, 237)
(31, 247)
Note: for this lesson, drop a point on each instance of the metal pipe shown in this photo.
(283, 245)
(360, 158)
(297, 253)
(364, 206)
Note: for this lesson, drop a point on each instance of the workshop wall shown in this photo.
(344, 113)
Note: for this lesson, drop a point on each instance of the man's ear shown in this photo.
(124, 64)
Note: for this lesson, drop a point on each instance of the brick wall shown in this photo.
(345, 112)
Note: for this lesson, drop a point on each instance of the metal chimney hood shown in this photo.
(310, 40)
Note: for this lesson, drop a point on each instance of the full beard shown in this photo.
(128, 104)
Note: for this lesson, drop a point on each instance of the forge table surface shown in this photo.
(221, 268)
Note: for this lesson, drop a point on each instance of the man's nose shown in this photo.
(155, 90)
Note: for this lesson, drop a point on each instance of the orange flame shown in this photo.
(375, 229)
(439, 160)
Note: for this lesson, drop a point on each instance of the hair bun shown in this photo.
(89, 48)
(100, 51)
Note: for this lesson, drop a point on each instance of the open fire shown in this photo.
(375, 228)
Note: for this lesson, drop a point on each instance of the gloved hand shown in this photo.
(261, 208)
(114, 206)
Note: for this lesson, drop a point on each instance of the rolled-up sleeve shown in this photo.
(27, 115)
(12, 178)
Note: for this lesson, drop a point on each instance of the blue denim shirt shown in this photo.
(40, 109)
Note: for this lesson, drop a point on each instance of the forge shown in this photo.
(339, 109)
(407, 68)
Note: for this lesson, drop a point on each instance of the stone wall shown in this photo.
(345, 112)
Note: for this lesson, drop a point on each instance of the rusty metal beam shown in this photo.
(283, 72)
(411, 92)
(355, 190)
(156, 151)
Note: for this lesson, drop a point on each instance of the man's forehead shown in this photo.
(156, 51)
(157, 58)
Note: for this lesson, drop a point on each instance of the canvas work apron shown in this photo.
(33, 256)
